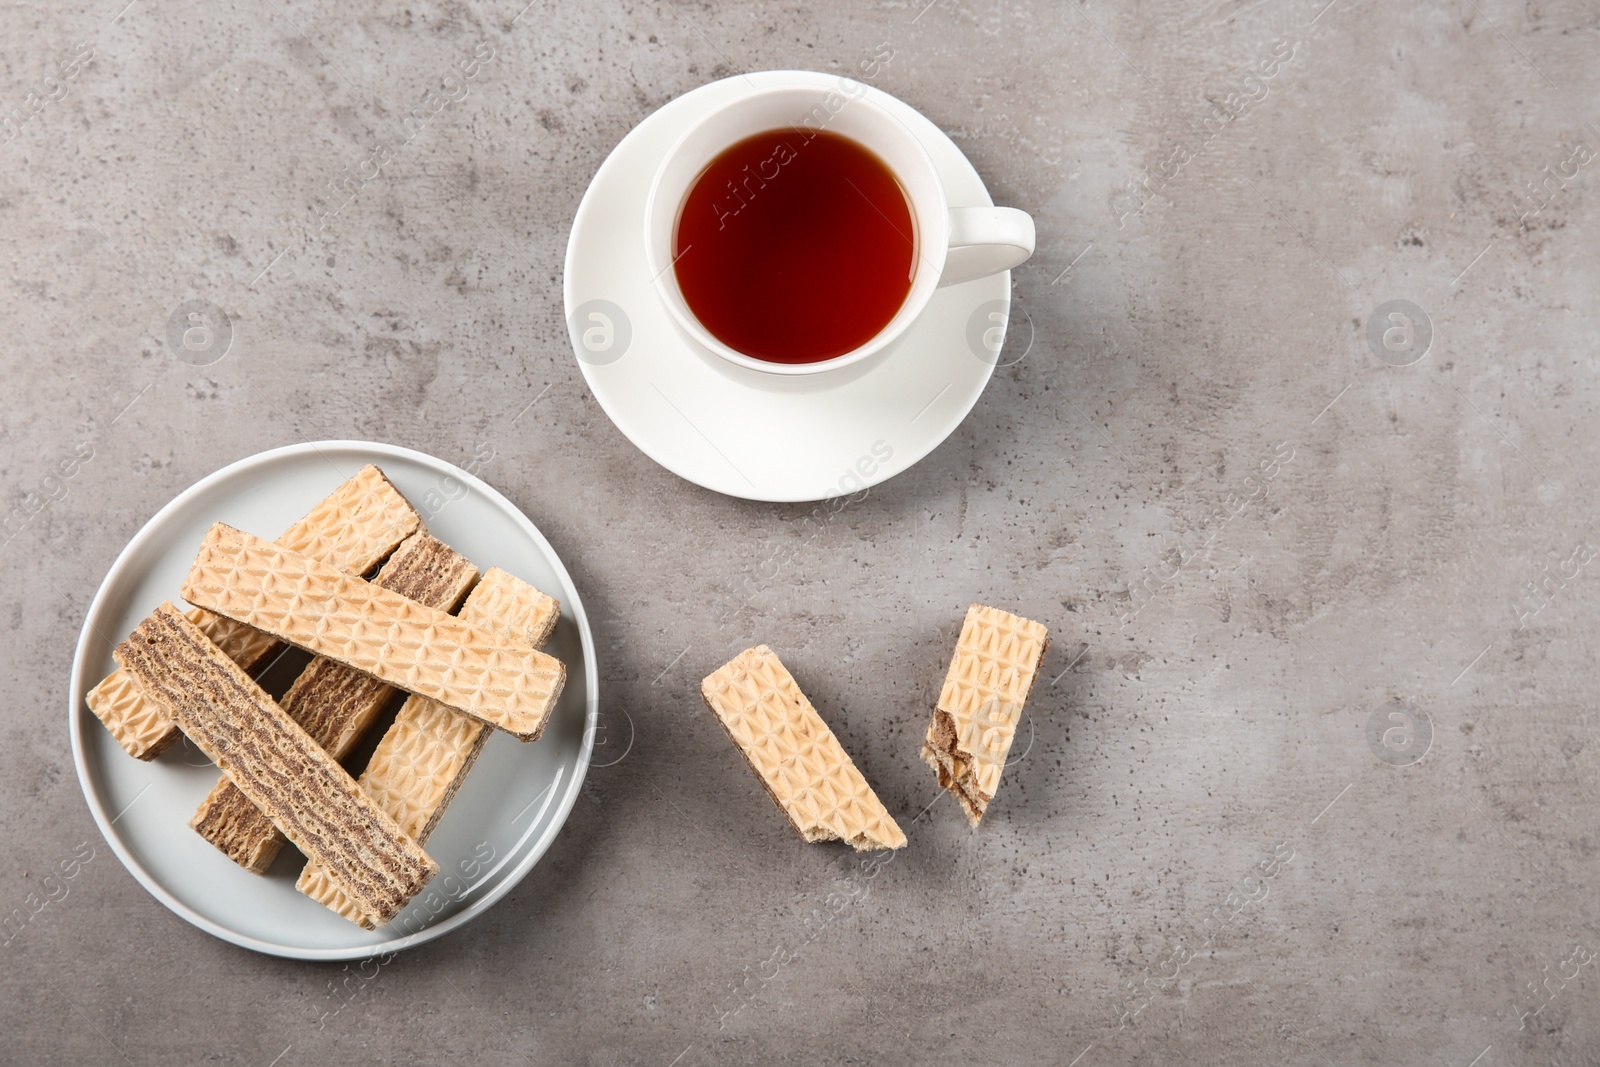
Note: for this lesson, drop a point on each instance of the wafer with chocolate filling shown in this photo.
(334, 703)
(991, 674)
(351, 530)
(425, 756)
(276, 764)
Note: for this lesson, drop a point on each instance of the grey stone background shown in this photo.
(1254, 537)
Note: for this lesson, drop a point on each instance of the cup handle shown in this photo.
(985, 241)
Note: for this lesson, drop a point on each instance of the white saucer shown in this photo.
(507, 812)
(693, 414)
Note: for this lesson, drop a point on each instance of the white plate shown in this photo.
(506, 814)
(691, 415)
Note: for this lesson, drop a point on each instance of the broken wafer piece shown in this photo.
(333, 703)
(996, 660)
(351, 530)
(276, 764)
(802, 765)
(419, 649)
(423, 759)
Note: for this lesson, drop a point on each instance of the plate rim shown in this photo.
(77, 708)
(588, 204)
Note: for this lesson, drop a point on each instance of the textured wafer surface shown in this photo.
(803, 766)
(343, 530)
(353, 528)
(419, 649)
(279, 767)
(425, 756)
(141, 727)
(995, 664)
(333, 703)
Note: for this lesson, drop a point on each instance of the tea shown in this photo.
(795, 246)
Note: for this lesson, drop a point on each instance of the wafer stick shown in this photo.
(991, 674)
(425, 756)
(802, 765)
(357, 525)
(418, 649)
(276, 763)
(334, 703)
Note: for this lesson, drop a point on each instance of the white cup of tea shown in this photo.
(795, 275)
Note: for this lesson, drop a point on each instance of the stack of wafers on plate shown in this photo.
(465, 648)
